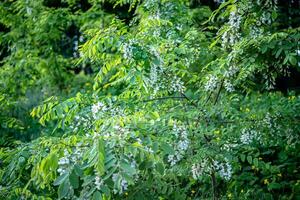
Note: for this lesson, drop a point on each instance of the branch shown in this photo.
(163, 98)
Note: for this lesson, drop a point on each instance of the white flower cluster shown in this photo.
(124, 184)
(270, 81)
(119, 133)
(255, 31)
(156, 78)
(224, 169)
(127, 49)
(200, 169)
(233, 35)
(75, 48)
(229, 74)
(28, 10)
(232, 70)
(68, 160)
(268, 120)
(98, 182)
(229, 146)
(196, 170)
(82, 122)
(81, 39)
(181, 146)
(155, 72)
(211, 83)
(150, 3)
(228, 86)
(177, 85)
(76, 40)
(235, 20)
(149, 149)
(155, 16)
(159, 79)
(248, 136)
(64, 163)
(99, 109)
(268, 3)
(266, 18)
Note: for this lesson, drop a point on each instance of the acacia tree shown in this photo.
(185, 105)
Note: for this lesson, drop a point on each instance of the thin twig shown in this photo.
(163, 98)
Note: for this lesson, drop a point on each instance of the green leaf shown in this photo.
(274, 15)
(60, 179)
(243, 157)
(127, 168)
(74, 180)
(249, 159)
(110, 172)
(105, 190)
(97, 196)
(88, 180)
(272, 186)
(63, 189)
(167, 149)
(78, 170)
(101, 157)
(293, 60)
(160, 168)
(278, 52)
(255, 162)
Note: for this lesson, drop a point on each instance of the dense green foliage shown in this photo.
(153, 99)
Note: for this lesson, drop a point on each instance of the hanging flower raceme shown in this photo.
(224, 169)
(211, 83)
(181, 144)
(232, 35)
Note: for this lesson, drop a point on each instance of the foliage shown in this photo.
(186, 102)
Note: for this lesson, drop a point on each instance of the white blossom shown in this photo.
(69, 159)
(268, 120)
(224, 169)
(63, 163)
(229, 146)
(228, 86)
(127, 49)
(81, 39)
(211, 83)
(28, 10)
(232, 35)
(183, 145)
(248, 136)
(98, 182)
(149, 149)
(232, 70)
(172, 159)
(96, 108)
(123, 183)
(235, 20)
(196, 170)
(201, 168)
(180, 146)
(177, 85)
(255, 32)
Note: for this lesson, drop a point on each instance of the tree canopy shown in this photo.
(149, 99)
